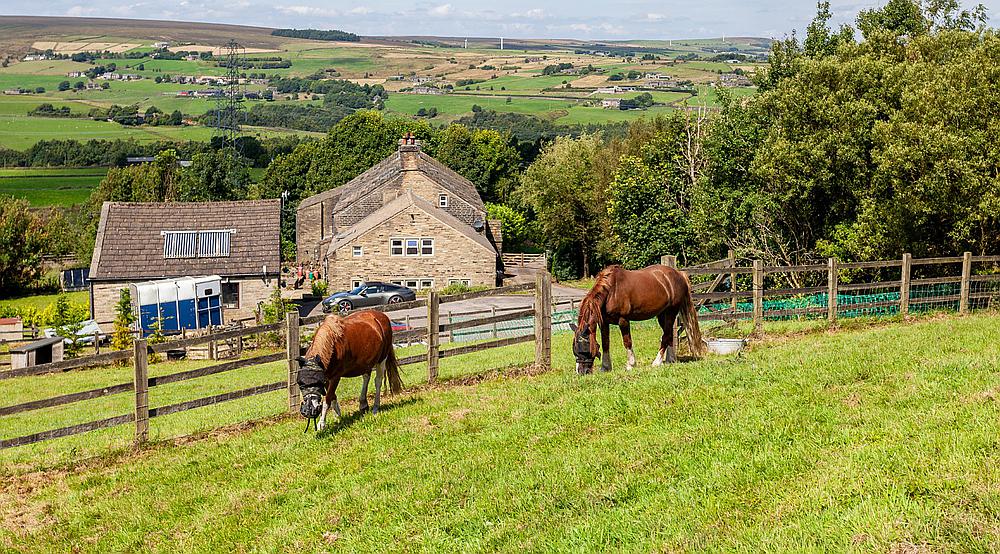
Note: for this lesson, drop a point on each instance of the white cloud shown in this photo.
(360, 10)
(535, 13)
(655, 17)
(306, 10)
(444, 10)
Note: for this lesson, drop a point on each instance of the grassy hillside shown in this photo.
(878, 439)
(51, 187)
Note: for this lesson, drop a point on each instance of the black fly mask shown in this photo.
(312, 386)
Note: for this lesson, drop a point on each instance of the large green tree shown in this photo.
(22, 243)
(563, 189)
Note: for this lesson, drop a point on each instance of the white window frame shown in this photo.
(415, 283)
(466, 282)
(357, 282)
(357, 251)
(411, 247)
(442, 200)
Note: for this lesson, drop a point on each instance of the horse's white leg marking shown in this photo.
(363, 399)
(659, 358)
(631, 360)
(379, 375)
(321, 424)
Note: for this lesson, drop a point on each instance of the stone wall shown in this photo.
(456, 256)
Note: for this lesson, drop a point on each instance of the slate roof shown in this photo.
(130, 244)
(396, 206)
(391, 170)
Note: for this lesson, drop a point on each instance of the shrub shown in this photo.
(319, 288)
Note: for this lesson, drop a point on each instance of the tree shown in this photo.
(487, 158)
(563, 190)
(22, 243)
(64, 86)
(514, 225)
(218, 175)
(121, 337)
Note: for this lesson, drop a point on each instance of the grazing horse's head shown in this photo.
(312, 384)
(584, 347)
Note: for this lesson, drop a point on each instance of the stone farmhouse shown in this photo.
(143, 241)
(408, 220)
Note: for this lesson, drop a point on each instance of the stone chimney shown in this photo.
(409, 149)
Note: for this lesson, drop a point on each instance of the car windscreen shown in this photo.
(358, 290)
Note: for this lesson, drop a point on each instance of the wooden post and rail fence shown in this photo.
(706, 293)
(141, 383)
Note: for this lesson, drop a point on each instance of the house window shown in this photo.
(231, 295)
(442, 200)
(196, 244)
(411, 247)
(466, 282)
(415, 283)
(358, 251)
(355, 283)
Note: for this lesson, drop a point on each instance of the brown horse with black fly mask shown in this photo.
(348, 346)
(620, 296)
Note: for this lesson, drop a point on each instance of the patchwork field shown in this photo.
(515, 72)
(878, 439)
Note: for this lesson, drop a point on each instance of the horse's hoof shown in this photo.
(363, 408)
(374, 411)
(320, 426)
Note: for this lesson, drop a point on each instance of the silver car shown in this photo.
(367, 295)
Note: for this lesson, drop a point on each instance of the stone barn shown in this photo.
(408, 220)
(140, 241)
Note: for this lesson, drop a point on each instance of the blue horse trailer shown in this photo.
(182, 303)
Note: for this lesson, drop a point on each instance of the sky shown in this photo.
(581, 19)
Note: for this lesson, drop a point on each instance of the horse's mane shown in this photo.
(327, 338)
(592, 305)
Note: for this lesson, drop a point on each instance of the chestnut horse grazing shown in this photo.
(620, 296)
(348, 346)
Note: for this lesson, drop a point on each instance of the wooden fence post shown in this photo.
(904, 285)
(832, 279)
(669, 261)
(758, 294)
(493, 313)
(732, 279)
(292, 353)
(140, 362)
(543, 320)
(433, 335)
(963, 302)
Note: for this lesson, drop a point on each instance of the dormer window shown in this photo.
(442, 200)
(197, 244)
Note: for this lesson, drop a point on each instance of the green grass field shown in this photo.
(41, 301)
(872, 439)
(51, 187)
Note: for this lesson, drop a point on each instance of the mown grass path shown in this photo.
(876, 439)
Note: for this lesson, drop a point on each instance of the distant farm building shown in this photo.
(611, 103)
(408, 220)
(138, 241)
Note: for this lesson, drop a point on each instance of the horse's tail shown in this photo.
(392, 370)
(689, 315)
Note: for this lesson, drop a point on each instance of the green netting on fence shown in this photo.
(923, 298)
(860, 304)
